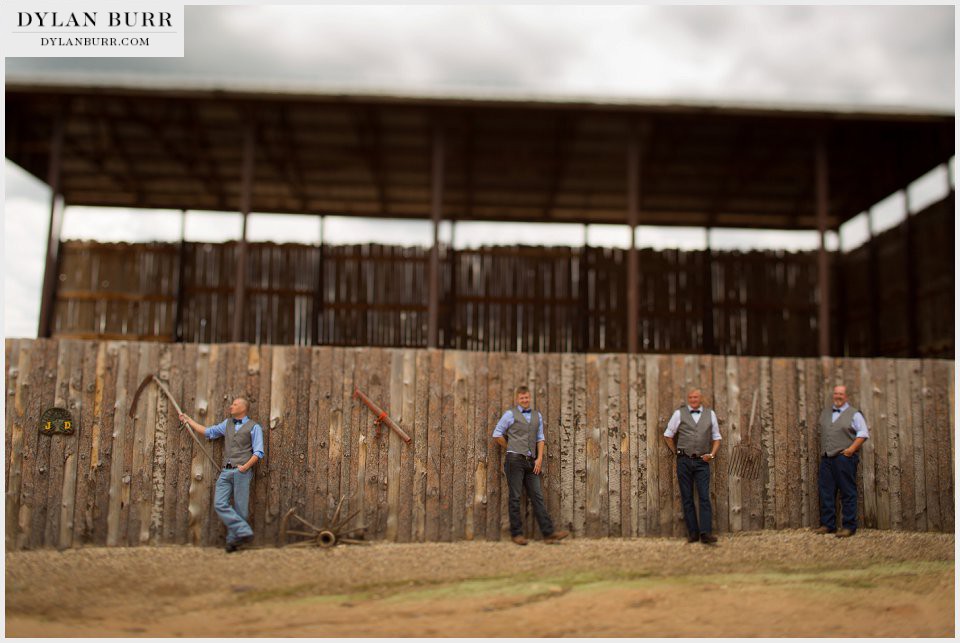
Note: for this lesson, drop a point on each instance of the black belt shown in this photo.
(520, 455)
(230, 465)
(693, 456)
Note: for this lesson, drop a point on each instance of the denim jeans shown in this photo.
(233, 483)
(519, 471)
(838, 473)
(692, 471)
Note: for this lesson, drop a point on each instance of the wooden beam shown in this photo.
(246, 187)
(709, 344)
(873, 290)
(436, 213)
(50, 270)
(633, 218)
(910, 265)
(823, 265)
(320, 295)
(181, 275)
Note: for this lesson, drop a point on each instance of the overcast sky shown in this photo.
(865, 56)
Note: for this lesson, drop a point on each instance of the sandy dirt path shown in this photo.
(788, 583)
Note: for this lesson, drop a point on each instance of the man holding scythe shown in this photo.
(242, 449)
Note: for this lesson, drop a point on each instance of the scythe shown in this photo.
(166, 391)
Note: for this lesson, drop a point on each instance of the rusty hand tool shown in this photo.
(166, 391)
(381, 416)
(746, 459)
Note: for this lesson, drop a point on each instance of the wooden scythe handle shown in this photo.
(166, 391)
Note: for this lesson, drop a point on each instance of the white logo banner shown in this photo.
(95, 29)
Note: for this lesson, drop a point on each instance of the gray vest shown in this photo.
(695, 437)
(238, 445)
(836, 436)
(522, 435)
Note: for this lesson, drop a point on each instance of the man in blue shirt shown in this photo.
(520, 433)
(242, 448)
(843, 430)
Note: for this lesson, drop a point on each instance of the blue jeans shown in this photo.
(692, 471)
(520, 475)
(838, 473)
(233, 483)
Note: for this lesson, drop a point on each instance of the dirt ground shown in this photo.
(786, 583)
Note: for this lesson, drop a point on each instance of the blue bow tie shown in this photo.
(836, 410)
(695, 411)
(236, 421)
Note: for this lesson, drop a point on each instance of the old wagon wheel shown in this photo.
(332, 532)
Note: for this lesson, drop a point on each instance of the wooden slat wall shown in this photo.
(120, 481)
(529, 299)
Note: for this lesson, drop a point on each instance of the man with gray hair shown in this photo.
(695, 447)
(842, 430)
(242, 448)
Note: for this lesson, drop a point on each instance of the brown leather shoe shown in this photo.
(822, 530)
(520, 540)
(844, 533)
(708, 539)
(556, 536)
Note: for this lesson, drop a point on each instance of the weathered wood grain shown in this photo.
(420, 442)
(607, 472)
(932, 442)
(434, 445)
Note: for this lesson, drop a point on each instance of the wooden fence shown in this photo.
(122, 481)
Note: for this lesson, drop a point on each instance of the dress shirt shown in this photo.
(674, 424)
(859, 422)
(256, 433)
(507, 421)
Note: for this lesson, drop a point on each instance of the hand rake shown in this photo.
(745, 461)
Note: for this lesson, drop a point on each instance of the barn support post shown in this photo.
(436, 211)
(50, 277)
(633, 216)
(910, 266)
(823, 259)
(874, 291)
(246, 186)
(181, 274)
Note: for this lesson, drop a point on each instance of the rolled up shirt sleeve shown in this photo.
(714, 426)
(673, 424)
(505, 421)
(256, 437)
(860, 426)
(215, 431)
(540, 437)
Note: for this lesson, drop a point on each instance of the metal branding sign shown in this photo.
(56, 420)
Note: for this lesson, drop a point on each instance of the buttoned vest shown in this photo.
(238, 444)
(522, 434)
(835, 436)
(695, 437)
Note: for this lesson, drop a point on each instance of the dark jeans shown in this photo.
(838, 473)
(519, 471)
(692, 471)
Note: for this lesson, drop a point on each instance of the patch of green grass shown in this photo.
(525, 586)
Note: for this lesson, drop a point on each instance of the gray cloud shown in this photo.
(857, 54)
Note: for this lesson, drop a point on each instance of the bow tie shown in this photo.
(836, 410)
(695, 411)
(236, 421)
(523, 410)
